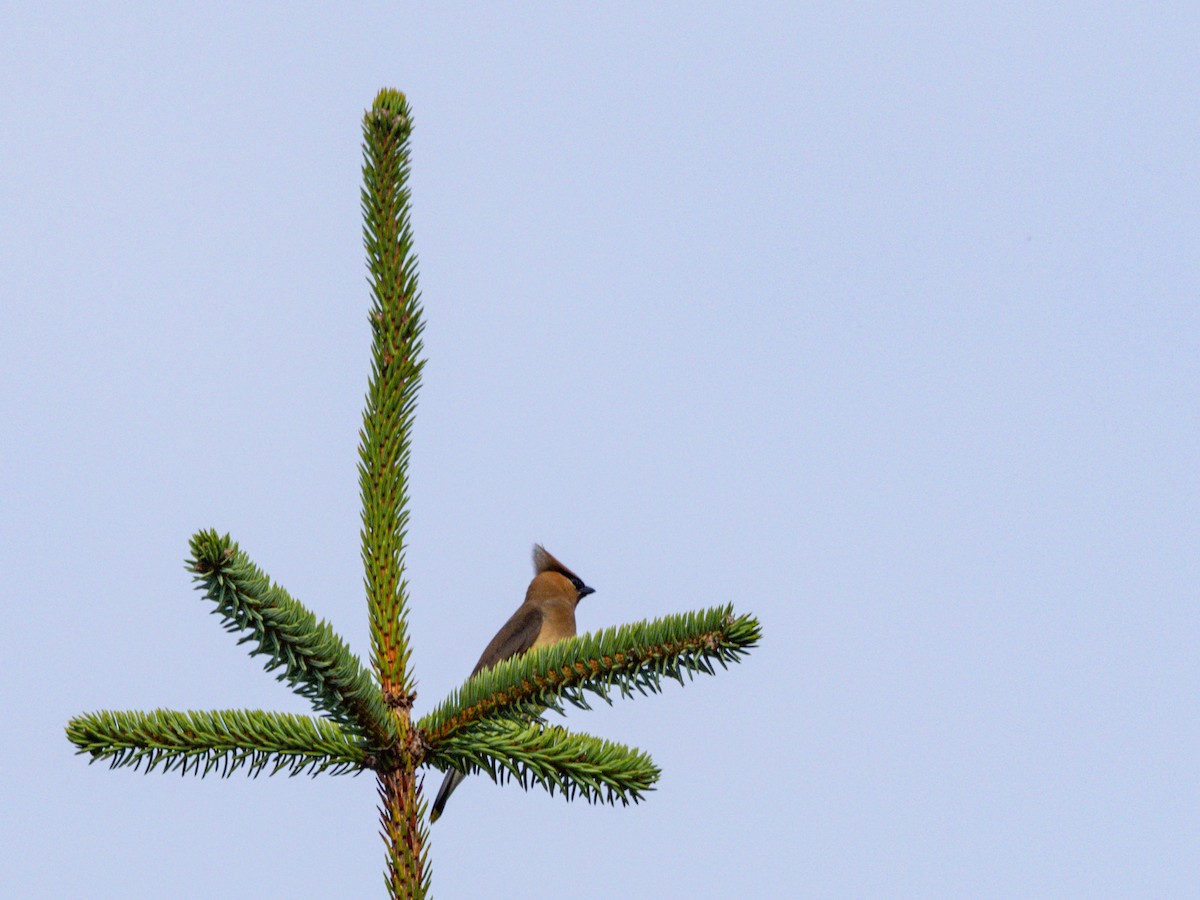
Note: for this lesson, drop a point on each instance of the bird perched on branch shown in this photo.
(546, 616)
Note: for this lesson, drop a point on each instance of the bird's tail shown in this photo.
(452, 780)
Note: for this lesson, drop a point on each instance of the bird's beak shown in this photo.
(585, 590)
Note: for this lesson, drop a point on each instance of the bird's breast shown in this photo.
(558, 623)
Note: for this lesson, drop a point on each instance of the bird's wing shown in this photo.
(518, 635)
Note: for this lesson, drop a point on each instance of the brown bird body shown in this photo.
(546, 616)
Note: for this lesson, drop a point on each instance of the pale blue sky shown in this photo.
(878, 321)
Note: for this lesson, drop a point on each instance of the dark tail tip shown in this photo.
(449, 783)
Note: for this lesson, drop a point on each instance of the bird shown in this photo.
(546, 616)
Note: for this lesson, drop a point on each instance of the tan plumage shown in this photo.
(546, 616)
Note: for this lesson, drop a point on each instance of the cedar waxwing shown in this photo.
(546, 616)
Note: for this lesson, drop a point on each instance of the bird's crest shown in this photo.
(544, 562)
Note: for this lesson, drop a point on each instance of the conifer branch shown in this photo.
(530, 753)
(384, 446)
(628, 658)
(315, 662)
(224, 741)
(386, 435)
(402, 816)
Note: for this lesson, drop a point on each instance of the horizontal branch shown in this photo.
(221, 740)
(550, 756)
(629, 658)
(316, 663)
